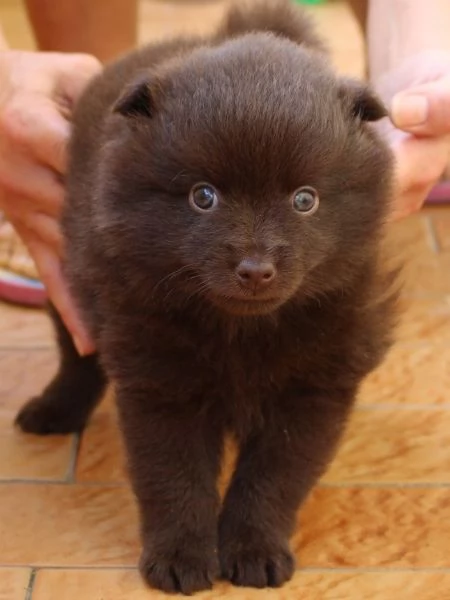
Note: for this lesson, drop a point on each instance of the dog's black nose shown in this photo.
(254, 274)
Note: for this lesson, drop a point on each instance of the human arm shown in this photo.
(37, 93)
(408, 50)
(103, 28)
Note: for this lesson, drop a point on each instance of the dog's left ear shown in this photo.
(360, 100)
(136, 100)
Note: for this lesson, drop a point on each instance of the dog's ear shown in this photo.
(360, 100)
(136, 100)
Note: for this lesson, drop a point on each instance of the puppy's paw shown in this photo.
(186, 570)
(47, 415)
(255, 563)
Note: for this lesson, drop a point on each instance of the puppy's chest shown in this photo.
(254, 368)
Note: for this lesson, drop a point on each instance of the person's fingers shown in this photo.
(34, 125)
(75, 73)
(49, 269)
(423, 110)
(21, 178)
(45, 229)
(409, 202)
(420, 162)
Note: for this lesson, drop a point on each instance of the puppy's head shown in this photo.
(245, 173)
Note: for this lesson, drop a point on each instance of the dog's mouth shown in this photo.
(248, 305)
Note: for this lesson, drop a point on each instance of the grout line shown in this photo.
(21, 481)
(433, 240)
(383, 570)
(19, 348)
(62, 482)
(385, 485)
(107, 568)
(402, 407)
(29, 590)
(71, 469)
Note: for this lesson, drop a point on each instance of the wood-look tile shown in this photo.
(356, 527)
(410, 374)
(13, 583)
(24, 327)
(379, 445)
(375, 527)
(441, 225)
(428, 275)
(101, 456)
(409, 237)
(69, 525)
(102, 459)
(127, 585)
(424, 320)
(425, 272)
(394, 446)
(23, 374)
(32, 457)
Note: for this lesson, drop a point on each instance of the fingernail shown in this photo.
(409, 110)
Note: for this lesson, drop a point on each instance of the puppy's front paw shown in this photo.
(47, 415)
(187, 569)
(256, 562)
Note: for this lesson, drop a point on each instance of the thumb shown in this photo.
(423, 110)
(75, 72)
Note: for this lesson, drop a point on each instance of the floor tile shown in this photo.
(127, 585)
(371, 527)
(13, 583)
(62, 525)
(101, 456)
(425, 272)
(32, 457)
(356, 527)
(379, 446)
(410, 374)
(424, 320)
(102, 459)
(24, 328)
(410, 237)
(441, 225)
(428, 276)
(24, 374)
(394, 446)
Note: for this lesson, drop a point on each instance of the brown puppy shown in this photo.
(225, 206)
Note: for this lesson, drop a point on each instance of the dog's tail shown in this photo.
(280, 17)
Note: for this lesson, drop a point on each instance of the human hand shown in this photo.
(37, 94)
(418, 96)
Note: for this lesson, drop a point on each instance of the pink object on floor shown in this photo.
(21, 290)
(440, 193)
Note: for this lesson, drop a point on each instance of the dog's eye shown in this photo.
(203, 197)
(305, 200)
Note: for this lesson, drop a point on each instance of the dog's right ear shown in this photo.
(360, 101)
(137, 100)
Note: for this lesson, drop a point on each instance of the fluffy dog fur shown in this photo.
(248, 317)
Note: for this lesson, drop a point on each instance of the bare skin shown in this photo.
(38, 92)
(409, 64)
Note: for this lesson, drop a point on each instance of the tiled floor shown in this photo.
(376, 528)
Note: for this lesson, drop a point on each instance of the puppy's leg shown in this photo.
(174, 454)
(276, 469)
(67, 402)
